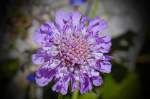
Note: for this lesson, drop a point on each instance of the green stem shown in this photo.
(76, 8)
(60, 96)
(75, 95)
(94, 8)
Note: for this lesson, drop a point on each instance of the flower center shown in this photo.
(74, 49)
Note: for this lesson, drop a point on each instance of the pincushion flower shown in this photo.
(72, 51)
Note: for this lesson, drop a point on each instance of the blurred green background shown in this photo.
(128, 27)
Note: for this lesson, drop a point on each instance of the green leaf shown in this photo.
(89, 95)
(127, 89)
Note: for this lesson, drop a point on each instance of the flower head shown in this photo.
(72, 50)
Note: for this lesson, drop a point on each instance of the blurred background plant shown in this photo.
(127, 26)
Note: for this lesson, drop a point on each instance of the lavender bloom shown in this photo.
(72, 51)
(77, 2)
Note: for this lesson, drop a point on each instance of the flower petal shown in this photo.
(44, 34)
(83, 25)
(97, 55)
(37, 60)
(105, 47)
(91, 62)
(107, 58)
(97, 80)
(40, 57)
(55, 63)
(64, 89)
(104, 39)
(38, 37)
(101, 47)
(76, 16)
(105, 67)
(85, 84)
(51, 50)
(74, 83)
(57, 87)
(97, 25)
(62, 85)
(62, 17)
(44, 75)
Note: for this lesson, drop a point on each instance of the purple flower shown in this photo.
(31, 77)
(72, 51)
(77, 2)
